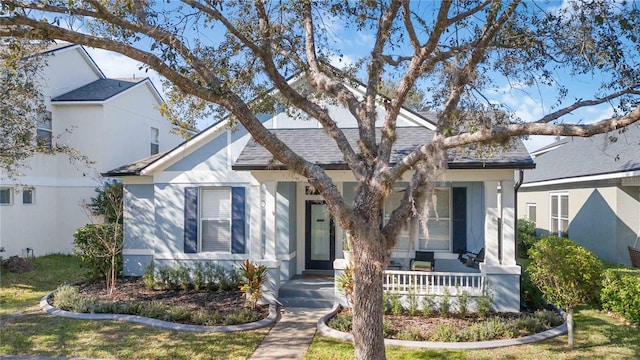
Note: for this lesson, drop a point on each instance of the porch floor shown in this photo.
(453, 265)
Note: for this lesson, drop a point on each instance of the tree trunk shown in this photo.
(570, 327)
(369, 264)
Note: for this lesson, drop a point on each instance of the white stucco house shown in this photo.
(219, 197)
(589, 190)
(110, 121)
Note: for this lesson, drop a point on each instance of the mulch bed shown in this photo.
(133, 289)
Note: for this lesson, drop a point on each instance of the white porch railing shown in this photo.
(433, 283)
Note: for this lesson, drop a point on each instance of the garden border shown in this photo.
(266, 322)
(325, 330)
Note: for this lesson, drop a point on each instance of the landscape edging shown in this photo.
(266, 322)
(325, 330)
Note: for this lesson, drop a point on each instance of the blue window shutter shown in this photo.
(191, 220)
(238, 204)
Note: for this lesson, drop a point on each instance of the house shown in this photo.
(110, 121)
(589, 190)
(220, 197)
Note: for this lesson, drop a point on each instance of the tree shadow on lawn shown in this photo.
(53, 336)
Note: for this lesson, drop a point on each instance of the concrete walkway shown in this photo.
(291, 336)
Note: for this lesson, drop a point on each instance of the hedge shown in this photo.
(621, 293)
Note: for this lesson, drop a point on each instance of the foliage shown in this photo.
(108, 201)
(457, 53)
(345, 283)
(341, 322)
(464, 299)
(409, 334)
(567, 274)
(621, 293)
(149, 276)
(526, 237)
(483, 306)
(254, 278)
(93, 246)
(444, 307)
(530, 295)
(412, 302)
(429, 304)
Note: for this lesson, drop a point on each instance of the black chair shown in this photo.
(472, 259)
(423, 261)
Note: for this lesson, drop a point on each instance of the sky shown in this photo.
(528, 104)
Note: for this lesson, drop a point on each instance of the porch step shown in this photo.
(309, 292)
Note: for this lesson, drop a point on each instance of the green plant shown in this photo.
(254, 277)
(108, 202)
(567, 274)
(548, 318)
(410, 334)
(463, 304)
(149, 277)
(444, 332)
(483, 306)
(412, 302)
(230, 280)
(199, 281)
(165, 276)
(240, 316)
(526, 237)
(395, 304)
(346, 284)
(621, 293)
(529, 293)
(183, 275)
(429, 304)
(445, 303)
(341, 322)
(95, 244)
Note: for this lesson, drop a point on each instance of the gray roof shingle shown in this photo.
(99, 90)
(317, 147)
(601, 154)
(136, 167)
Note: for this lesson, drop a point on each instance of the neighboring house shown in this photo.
(589, 190)
(220, 197)
(110, 121)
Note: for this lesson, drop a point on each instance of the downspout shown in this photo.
(516, 187)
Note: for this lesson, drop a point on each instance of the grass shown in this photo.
(36, 333)
(598, 336)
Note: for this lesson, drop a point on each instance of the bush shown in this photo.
(342, 323)
(240, 316)
(445, 304)
(621, 293)
(410, 334)
(149, 277)
(94, 243)
(463, 304)
(530, 294)
(483, 306)
(444, 332)
(526, 237)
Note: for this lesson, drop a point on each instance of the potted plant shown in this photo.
(347, 249)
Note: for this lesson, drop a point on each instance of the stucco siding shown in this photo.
(210, 156)
(169, 218)
(628, 226)
(139, 209)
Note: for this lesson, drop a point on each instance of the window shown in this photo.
(44, 133)
(439, 223)
(155, 141)
(28, 196)
(6, 196)
(390, 204)
(560, 214)
(531, 212)
(215, 220)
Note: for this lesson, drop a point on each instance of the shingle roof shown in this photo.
(99, 90)
(317, 147)
(136, 167)
(609, 153)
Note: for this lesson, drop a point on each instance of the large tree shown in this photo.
(219, 55)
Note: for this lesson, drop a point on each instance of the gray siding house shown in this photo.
(588, 189)
(220, 197)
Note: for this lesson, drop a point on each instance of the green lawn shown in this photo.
(598, 336)
(35, 333)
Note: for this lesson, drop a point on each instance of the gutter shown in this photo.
(516, 187)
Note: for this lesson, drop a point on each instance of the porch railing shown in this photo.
(433, 283)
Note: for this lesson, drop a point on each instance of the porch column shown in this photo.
(491, 244)
(255, 229)
(269, 221)
(508, 223)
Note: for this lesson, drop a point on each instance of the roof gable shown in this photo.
(99, 90)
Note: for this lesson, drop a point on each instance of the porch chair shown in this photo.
(634, 254)
(472, 259)
(423, 261)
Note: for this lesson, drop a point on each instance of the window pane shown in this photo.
(155, 149)
(27, 196)
(5, 196)
(439, 235)
(564, 206)
(44, 120)
(554, 226)
(440, 203)
(532, 213)
(216, 204)
(216, 236)
(554, 206)
(43, 138)
(565, 226)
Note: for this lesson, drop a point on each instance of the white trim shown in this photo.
(620, 175)
(11, 195)
(559, 195)
(288, 256)
(528, 206)
(55, 182)
(138, 252)
(201, 256)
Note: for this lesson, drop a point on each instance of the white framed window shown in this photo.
(559, 214)
(155, 141)
(44, 130)
(6, 196)
(215, 220)
(439, 222)
(28, 196)
(391, 203)
(531, 212)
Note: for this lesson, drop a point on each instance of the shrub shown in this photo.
(621, 293)
(198, 278)
(177, 314)
(526, 237)
(412, 300)
(149, 277)
(65, 296)
(206, 318)
(410, 334)
(483, 306)
(463, 304)
(183, 277)
(548, 318)
(254, 277)
(93, 247)
(444, 332)
(342, 323)
(346, 284)
(530, 294)
(429, 304)
(240, 316)
(493, 328)
(395, 304)
(445, 304)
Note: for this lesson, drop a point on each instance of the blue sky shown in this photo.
(528, 103)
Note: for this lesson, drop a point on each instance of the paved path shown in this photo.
(291, 336)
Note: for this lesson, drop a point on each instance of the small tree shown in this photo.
(99, 246)
(567, 274)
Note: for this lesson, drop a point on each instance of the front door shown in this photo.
(320, 237)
